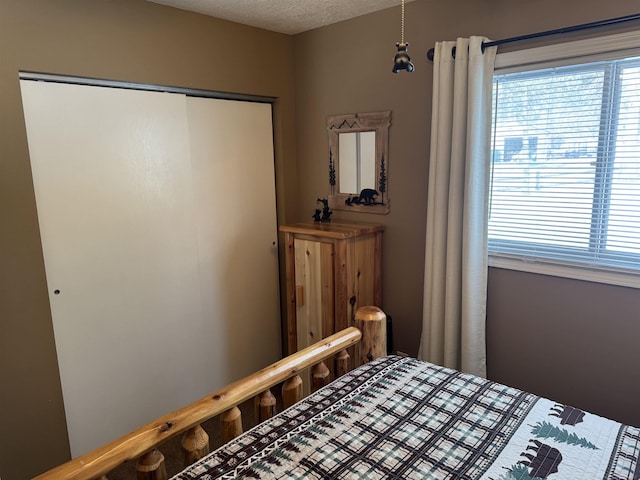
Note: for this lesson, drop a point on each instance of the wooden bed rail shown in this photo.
(140, 444)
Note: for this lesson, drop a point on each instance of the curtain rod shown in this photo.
(574, 28)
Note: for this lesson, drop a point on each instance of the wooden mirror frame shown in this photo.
(360, 122)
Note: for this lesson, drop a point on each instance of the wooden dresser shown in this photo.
(331, 270)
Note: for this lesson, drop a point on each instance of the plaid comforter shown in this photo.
(400, 418)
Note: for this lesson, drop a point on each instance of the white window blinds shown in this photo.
(565, 183)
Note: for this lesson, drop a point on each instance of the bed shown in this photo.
(392, 417)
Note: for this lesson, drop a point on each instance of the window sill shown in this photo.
(610, 277)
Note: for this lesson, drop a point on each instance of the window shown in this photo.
(565, 182)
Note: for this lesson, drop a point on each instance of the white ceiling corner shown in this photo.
(284, 16)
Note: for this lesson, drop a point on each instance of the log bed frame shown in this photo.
(368, 338)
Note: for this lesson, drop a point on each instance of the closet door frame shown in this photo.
(97, 82)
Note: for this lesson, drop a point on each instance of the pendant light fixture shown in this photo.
(402, 61)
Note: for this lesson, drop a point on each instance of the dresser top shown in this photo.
(332, 229)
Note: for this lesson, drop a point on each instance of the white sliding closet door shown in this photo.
(234, 185)
(157, 217)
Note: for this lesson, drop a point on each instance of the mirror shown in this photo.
(358, 166)
(359, 162)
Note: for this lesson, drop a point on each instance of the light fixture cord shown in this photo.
(402, 24)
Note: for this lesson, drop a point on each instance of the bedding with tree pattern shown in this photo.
(401, 418)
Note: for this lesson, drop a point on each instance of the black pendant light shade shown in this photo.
(402, 61)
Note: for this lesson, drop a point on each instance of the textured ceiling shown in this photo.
(284, 16)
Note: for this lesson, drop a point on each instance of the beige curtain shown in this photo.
(454, 313)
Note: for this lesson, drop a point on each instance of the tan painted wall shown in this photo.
(545, 335)
(534, 335)
(129, 40)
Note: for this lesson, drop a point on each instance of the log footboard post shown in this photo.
(231, 423)
(292, 391)
(319, 376)
(342, 363)
(151, 466)
(372, 322)
(266, 406)
(195, 445)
